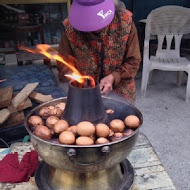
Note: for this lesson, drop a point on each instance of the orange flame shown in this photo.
(50, 53)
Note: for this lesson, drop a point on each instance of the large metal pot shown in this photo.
(87, 158)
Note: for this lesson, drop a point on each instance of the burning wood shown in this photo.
(86, 84)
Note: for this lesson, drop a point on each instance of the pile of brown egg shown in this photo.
(48, 124)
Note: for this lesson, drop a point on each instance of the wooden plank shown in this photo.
(166, 188)
(14, 119)
(154, 180)
(5, 96)
(40, 98)
(23, 94)
(143, 157)
(26, 104)
(12, 109)
(18, 186)
(157, 168)
(4, 115)
(142, 140)
(149, 172)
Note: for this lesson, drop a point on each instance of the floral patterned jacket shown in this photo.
(115, 50)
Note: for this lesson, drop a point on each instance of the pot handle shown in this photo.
(71, 153)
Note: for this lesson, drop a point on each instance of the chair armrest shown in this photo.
(146, 51)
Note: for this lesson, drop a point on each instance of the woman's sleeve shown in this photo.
(131, 60)
(65, 51)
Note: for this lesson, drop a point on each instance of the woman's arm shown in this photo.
(131, 60)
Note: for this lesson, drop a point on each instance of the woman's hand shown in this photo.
(106, 84)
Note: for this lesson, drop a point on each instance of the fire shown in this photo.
(51, 53)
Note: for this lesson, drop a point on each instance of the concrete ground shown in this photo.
(166, 123)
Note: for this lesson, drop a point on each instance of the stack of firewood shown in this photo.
(12, 105)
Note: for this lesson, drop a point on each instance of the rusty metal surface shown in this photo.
(149, 171)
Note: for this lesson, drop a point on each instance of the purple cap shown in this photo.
(91, 15)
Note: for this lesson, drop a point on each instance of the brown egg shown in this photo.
(51, 130)
(51, 121)
(93, 137)
(60, 126)
(56, 112)
(111, 133)
(102, 130)
(66, 137)
(128, 132)
(132, 121)
(85, 128)
(109, 111)
(117, 125)
(61, 106)
(102, 140)
(35, 120)
(43, 132)
(51, 107)
(117, 136)
(44, 112)
(72, 129)
(84, 141)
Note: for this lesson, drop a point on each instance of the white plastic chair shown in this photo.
(166, 23)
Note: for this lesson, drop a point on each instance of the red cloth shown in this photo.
(14, 172)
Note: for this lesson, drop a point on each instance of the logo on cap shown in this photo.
(104, 16)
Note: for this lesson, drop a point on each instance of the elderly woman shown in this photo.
(102, 37)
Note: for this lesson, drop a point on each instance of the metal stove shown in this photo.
(94, 167)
